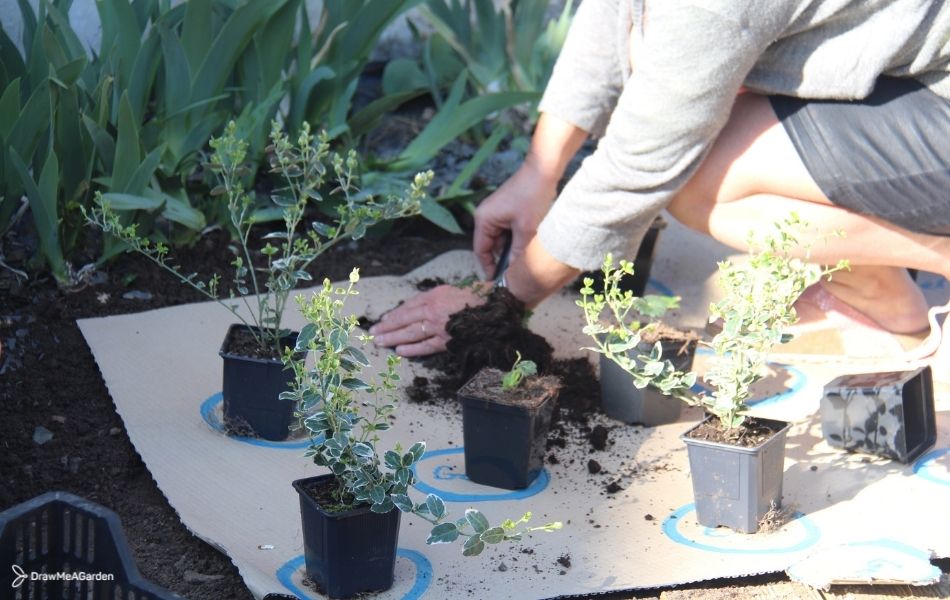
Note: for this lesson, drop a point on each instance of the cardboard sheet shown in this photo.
(164, 374)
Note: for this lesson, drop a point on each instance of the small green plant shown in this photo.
(344, 439)
(311, 174)
(756, 309)
(519, 370)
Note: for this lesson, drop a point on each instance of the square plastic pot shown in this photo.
(504, 443)
(59, 532)
(621, 400)
(735, 486)
(886, 414)
(642, 263)
(251, 388)
(349, 552)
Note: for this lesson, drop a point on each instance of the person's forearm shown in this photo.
(553, 144)
(536, 275)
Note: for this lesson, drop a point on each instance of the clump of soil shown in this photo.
(598, 437)
(428, 283)
(493, 334)
(775, 518)
(489, 335)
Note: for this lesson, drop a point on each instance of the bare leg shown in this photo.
(753, 176)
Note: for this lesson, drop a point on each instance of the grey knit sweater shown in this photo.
(658, 122)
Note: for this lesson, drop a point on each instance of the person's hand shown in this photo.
(417, 326)
(518, 205)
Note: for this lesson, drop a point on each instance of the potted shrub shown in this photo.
(505, 420)
(268, 268)
(736, 461)
(349, 523)
(620, 399)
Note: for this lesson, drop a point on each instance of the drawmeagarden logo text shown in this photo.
(20, 576)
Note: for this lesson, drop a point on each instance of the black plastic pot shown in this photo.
(251, 387)
(350, 552)
(642, 264)
(887, 414)
(621, 400)
(504, 442)
(735, 486)
(62, 533)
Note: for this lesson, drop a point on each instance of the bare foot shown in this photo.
(886, 295)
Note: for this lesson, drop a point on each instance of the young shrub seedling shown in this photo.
(756, 309)
(344, 439)
(311, 175)
(519, 370)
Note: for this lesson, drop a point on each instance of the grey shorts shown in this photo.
(886, 156)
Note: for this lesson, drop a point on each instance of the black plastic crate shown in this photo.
(59, 545)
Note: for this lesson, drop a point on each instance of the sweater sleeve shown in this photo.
(589, 73)
(691, 64)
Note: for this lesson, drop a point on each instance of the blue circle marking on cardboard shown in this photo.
(211, 418)
(285, 574)
(660, 287)
(537, 486)
(925, 466)
(798, 383)
(671, 529)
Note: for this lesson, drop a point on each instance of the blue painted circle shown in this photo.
(924, 467)
(660, 287)
(537, 486)
(799, 382)
(285, 574)
(671, 529)
(211, 418)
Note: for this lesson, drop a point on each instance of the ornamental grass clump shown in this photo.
(343, 438)
(756, 309)
(310, 177)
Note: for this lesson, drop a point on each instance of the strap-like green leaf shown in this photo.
(43, 202)
(367, 118)
(483, 154)
(452, 121)
(9, 108)
(127, 152)
(196, 30)
(177, 91)
(439, 215)
(228, 44)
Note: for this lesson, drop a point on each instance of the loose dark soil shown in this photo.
(753, 432)
(530, 393)
(241, 342)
